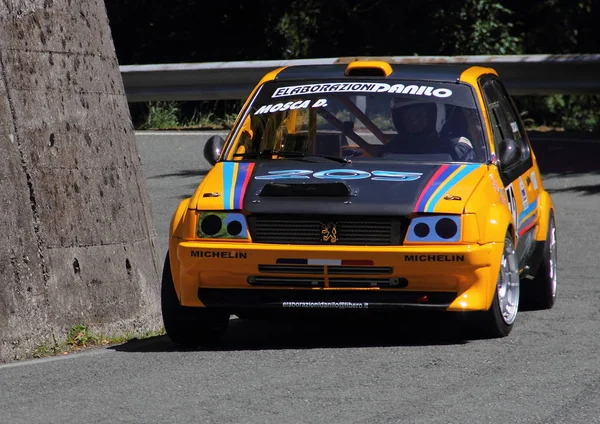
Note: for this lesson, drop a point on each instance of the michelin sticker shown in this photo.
(362, 87)
(280, 107)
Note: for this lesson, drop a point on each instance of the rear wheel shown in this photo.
(540, 293)
(189, 326)
(499, 319)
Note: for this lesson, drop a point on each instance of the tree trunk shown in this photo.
(77, 232)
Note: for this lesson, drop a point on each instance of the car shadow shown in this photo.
(586, 189)
(322, 331)
(183, 173)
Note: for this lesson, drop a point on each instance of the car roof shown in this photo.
(449, 73)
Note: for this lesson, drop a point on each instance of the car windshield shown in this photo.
(361, 120)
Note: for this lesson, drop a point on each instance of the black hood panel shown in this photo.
(357, 188)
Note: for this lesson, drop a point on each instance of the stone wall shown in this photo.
(77, 228)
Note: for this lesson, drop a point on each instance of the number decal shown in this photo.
(341, 174)
(396, 176)
(298, 174)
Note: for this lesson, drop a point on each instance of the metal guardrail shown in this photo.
(523, 75)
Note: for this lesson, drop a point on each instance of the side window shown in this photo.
(504, 120)
(493, 105)
(510, 139)
(512, 126)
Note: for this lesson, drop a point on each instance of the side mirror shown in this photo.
(508, 152)
(213, 149)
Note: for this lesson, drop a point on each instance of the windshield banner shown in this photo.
(362, 87)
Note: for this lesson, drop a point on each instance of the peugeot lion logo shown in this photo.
(329, 232)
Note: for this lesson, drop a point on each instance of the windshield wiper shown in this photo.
(289, 154)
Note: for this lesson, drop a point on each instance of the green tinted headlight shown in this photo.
(222, 225)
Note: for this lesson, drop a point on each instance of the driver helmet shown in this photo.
(417, 116)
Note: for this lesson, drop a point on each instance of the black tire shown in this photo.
(189, 326)
(540, 293)
(499, 319)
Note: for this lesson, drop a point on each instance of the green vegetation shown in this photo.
(574, 112)
(162, 115)
(209, 121)
(479, 27)
(299, 29)
(561, 112)
(172, 116)
(230, 30)
(81, 337)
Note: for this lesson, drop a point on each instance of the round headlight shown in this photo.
(421, 230)
(446, 228)
(211, 225)
(234, 228)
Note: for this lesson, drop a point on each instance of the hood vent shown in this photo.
(337, 189)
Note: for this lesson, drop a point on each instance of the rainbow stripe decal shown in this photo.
(442, 181)
(235, 181)
(527, 218)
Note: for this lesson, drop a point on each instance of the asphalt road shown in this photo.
(397, 369)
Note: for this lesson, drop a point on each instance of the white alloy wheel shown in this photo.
(508, 284)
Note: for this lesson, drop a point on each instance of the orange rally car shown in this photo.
(361, 187)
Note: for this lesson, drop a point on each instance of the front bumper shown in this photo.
(245, 275)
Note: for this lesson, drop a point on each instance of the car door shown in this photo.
(518, 173)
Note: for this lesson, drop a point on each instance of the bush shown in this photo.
(161, 115)
(561, 112)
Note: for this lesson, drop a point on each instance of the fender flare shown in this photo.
(176, 233)
(545, 209)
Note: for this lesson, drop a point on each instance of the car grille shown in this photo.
(359, 270)
(259, 280)
(366, 277)
(384, 283)
(303, 229)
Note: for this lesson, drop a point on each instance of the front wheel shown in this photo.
(189, 326)
(498, 320)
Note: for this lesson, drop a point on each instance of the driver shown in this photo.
(418, 125)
